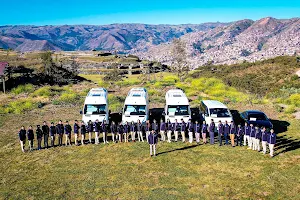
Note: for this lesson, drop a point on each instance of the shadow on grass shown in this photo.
(178, 149)
(285, 144)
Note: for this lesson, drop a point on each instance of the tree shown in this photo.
(179, 55)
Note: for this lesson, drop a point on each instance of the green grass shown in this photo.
(28, 88)
(125, 171)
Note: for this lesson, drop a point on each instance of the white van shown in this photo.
(95, 106)
(177, 106)
(215, 110)
(136, 106)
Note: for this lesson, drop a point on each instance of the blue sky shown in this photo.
(60, 12)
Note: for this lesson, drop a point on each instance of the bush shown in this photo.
(290, 109)
(19, 106)
(28, 88)
(43, 92)
(115, 102)
(294, 100)
(68, 97)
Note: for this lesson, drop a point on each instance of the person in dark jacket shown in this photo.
(251, 136)
(197, 130)
(68, 131)
(76, 132)
(226, 132)
(60, 129)
(39, 136)
(182, 129)
(30, 137)
(139, 128)
(155, 126)
(246, 130)
(126, 131)
(52, 130)
(190, 127)
(148, 129)
(97, 127)
(264, 139)
(169, 130)
(239, 135)
(83, 131)
(232, 132)
(120, 131)
(22, 138)
(104, 131)
(204, 129)
(162, 130)
(132, 131)
(257, 137)
(271, 142)
(45, 129)
(220, 132)
(90, 130)
(176, 128)
(152, 140)
(113, 130)
(212, 131)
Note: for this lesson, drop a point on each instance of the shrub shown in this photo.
(28, 88)
(68, 97)
(19, 106)
(43, 92)
(115, 102)
(290, 109)
(294, 100)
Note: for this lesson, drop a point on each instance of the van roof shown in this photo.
(97, 92)
(137, 92)
(176, 97)
(213, 104)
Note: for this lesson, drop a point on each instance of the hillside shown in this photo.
(244, 40)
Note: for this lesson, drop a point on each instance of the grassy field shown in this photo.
(126, 171)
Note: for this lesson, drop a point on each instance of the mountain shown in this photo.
(121, 37)
(218, 43)
(244, 40)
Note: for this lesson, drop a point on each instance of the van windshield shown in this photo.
(219, 112)
(92, 109)
(179, 109)
(135, 109)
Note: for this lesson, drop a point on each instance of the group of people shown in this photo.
(239, 136)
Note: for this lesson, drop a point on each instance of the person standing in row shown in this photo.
(97, 130)
(155, 126)
(82, 132)
(212, 131)
(148, 128)
(182, 130)
(197, 130)
(232, 132)
(220, 132)
(169, 130)
(226, 132)
(120, 132)
(239, 135)
(176, 127)
(162, 130)
(272, 142)
(126, 131)
(132, 131)
(264, 140)
(246, 135)
(45, 129)
(60, 132)
(76, 132)
(113, 130)
(257, 137)
(152, 140)
(251, 136)
(39, 136)
(190, 127)
(204, 130)
(22, 138)
(139, 128)
(30, 137)
(68, 131)
(104, 131)
(52, 130)
(90, 130)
